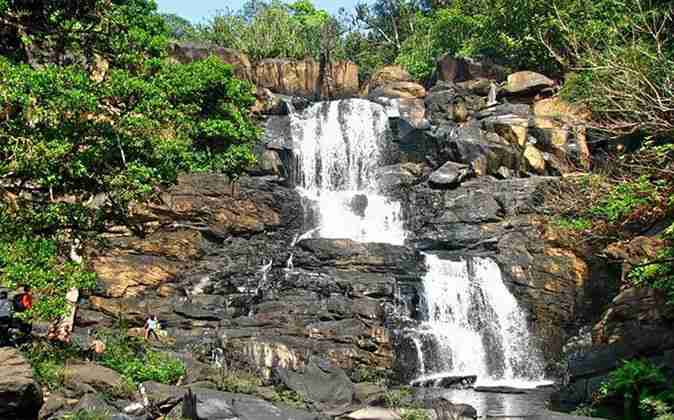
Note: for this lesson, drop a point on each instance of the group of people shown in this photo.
(20, 302)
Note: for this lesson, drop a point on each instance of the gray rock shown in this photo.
(449, 175)
(20, 395)
(206, 404)
(325, 386)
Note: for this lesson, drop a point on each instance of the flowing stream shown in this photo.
(472, 324)
(339, 145)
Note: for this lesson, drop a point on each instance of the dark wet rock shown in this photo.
(160, 396)
(449, 175)
(359, 204)
(499, 390)
(206, 404)
(393, 177)
(20, 395)
(325, 386)
(341, 253)
(94, 403)
(446, 410)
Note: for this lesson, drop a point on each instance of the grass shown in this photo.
(571, 223)
(397, 398)
(87, 415)
(414, 414)
(48, 362)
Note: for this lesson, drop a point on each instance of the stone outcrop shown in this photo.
(20, 395)
(385, 76)
(307, 78)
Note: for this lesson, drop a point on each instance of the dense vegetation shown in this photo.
(93, 118)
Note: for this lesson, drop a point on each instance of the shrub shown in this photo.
(287, 396)
(48, 361)
(414, 414)
(397, 398)
(238, 382)
(131, 359)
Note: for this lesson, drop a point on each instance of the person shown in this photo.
(5, 318)
(24, 302)
(151, 327)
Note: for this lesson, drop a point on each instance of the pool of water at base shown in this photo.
(497, 404)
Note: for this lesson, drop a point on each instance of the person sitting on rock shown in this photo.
(151, 327)
(6, 312)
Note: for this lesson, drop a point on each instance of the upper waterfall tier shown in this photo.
(339, 145)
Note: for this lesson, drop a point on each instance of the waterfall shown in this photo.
(476, 326)
(473, 325)
(339, 145)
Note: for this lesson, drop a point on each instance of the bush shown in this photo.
(284, 395)
(414, 414)
(238, 382)
(131, 359)
(48, 361)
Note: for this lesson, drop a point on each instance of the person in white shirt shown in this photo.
(151, 327)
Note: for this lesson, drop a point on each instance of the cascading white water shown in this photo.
(476, 325)
(473, 326)
(339, 146)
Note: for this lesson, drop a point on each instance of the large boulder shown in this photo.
(90, 377)
(454, 69)
(449, 175)
(386, 75)
(527, 82)
(20, 395)
(403, 90)
(325, 386)
(190, 52)
(207, 404)
(306, 78)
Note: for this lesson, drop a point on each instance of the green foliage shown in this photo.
(575, 224)
(656, 409)
(48, 362)
(658, 273)
(36, 263)
(396, 398)
(88, 415)
(623, 54)
(273, 30)
(67, 137)
(626, 197)
(633, 382)
(414, 414)
(372, 375)
(283, 395)
(238, 382)
(125, 32)
(131, 359)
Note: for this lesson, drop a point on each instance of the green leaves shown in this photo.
(76, 152)
(36, 263)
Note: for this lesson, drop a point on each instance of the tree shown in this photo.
(68, 139)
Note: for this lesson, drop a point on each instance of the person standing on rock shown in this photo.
(5, 318)
(151, 327)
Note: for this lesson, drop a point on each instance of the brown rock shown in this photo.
(20, 395)
(304, 78)
(387, 75)
(129, 275)
(91, 376)
(527, 81)
(405, 90)
(454, 69)
(535, 159)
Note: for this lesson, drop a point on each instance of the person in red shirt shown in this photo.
(27, 298)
